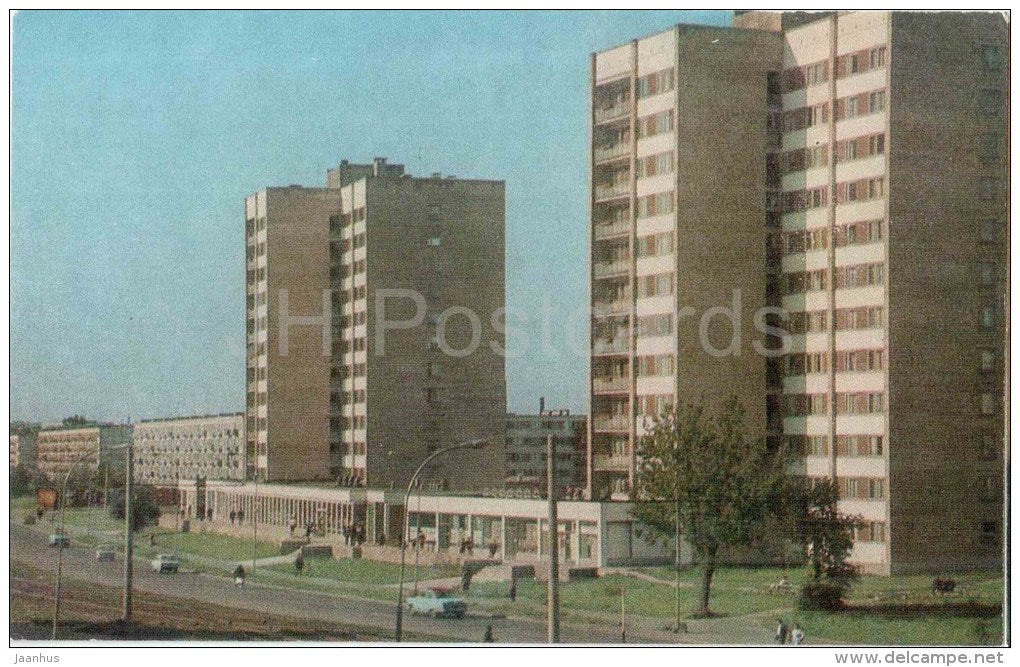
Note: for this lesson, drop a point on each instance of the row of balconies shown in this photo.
(611, 383)
(613, 268)
(617, 110)
(611, 462)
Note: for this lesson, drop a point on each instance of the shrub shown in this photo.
(822, 595)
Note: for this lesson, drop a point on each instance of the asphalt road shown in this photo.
(31, 547)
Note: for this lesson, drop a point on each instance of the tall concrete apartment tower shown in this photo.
(678, 228)
(892, 235)
(387, 286)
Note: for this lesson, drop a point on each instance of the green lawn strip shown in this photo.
(867, 627)
(211, 545)
(360, 570)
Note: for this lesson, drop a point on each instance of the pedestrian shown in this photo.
(308, 531)
(299, 563)
(513, 589)
(239, 575)
(798, 635)
(489, 637)
(209, 514)
(781, 632)
(233, 515)
(240, 516)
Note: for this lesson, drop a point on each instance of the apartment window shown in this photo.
(989, 231)
(655, 204)
(655, 325)
(434, 242)
(989, 489)
(806, 281)
(653, 405)
(990, 532)
(987, 272)
(988, 403)
(804, 322)
(989, 448)
(660, 123)
(655, 83)
(988, 189)
(990, 103)
(655, 165)
(992, 57)
(655, 365)
(876, 489)
(434, 212)
(987, 317)
(654, 245)
(987, 360)
(656, 285)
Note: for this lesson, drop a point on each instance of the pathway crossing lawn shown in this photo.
(359, 570)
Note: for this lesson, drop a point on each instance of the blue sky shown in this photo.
(136, 136)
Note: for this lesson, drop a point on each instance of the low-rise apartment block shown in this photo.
(198, 447)
(90, 446)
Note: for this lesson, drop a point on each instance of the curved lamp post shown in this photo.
(60, 546)
(470, 444)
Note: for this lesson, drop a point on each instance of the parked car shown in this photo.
(166, 564)
(59, 540)
(105, 553)
(437, 602)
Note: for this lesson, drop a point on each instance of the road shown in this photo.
(31, 547)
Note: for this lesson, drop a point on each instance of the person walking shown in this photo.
(782, 632)
(489, 637)
(513, 589)
(299, 563)
(239, 575)
(798, 635)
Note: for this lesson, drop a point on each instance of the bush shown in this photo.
(822, 595)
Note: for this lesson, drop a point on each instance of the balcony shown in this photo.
(611, 423)
(612, 462)
(612, 151)
(608, 384)
(618, 111)
(621, 306)
(606, 346)
(612, 191)
(606, 269)
(604, 231)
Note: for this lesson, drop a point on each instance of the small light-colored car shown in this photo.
(105, 553)
(437, 602)
(166, 564)
(60, 540)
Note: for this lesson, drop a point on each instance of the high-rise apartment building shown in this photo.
(375, 328)
(677, 233)
(884, 230)
(526, 456)
(82, 446)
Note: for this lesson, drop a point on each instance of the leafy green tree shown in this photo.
(826, 533)
(144, 511)
(724, 484)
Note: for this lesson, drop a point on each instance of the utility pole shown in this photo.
(623, 614)
(129, 532)
(553, 602)
(676, 563)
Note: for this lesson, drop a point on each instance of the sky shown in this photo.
(135, 137)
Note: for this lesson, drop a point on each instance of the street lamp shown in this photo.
(62, 499)
(470, 444)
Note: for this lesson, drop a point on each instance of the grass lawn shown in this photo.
(210, 545)
(361, 571)
(915, 627)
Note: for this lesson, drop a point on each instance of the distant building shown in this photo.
(347, 397)
(526, 463)
(59, 448)
(198, 447)
(23, 445)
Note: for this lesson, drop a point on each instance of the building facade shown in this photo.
(880, 212)
(374, 330)
(205, 446)
(677, 233)
(23, 437)
(526, 451)
(88, 446)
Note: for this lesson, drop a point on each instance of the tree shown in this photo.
(724, 484)
(25, 480)
(827, 536)
(143, 510)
